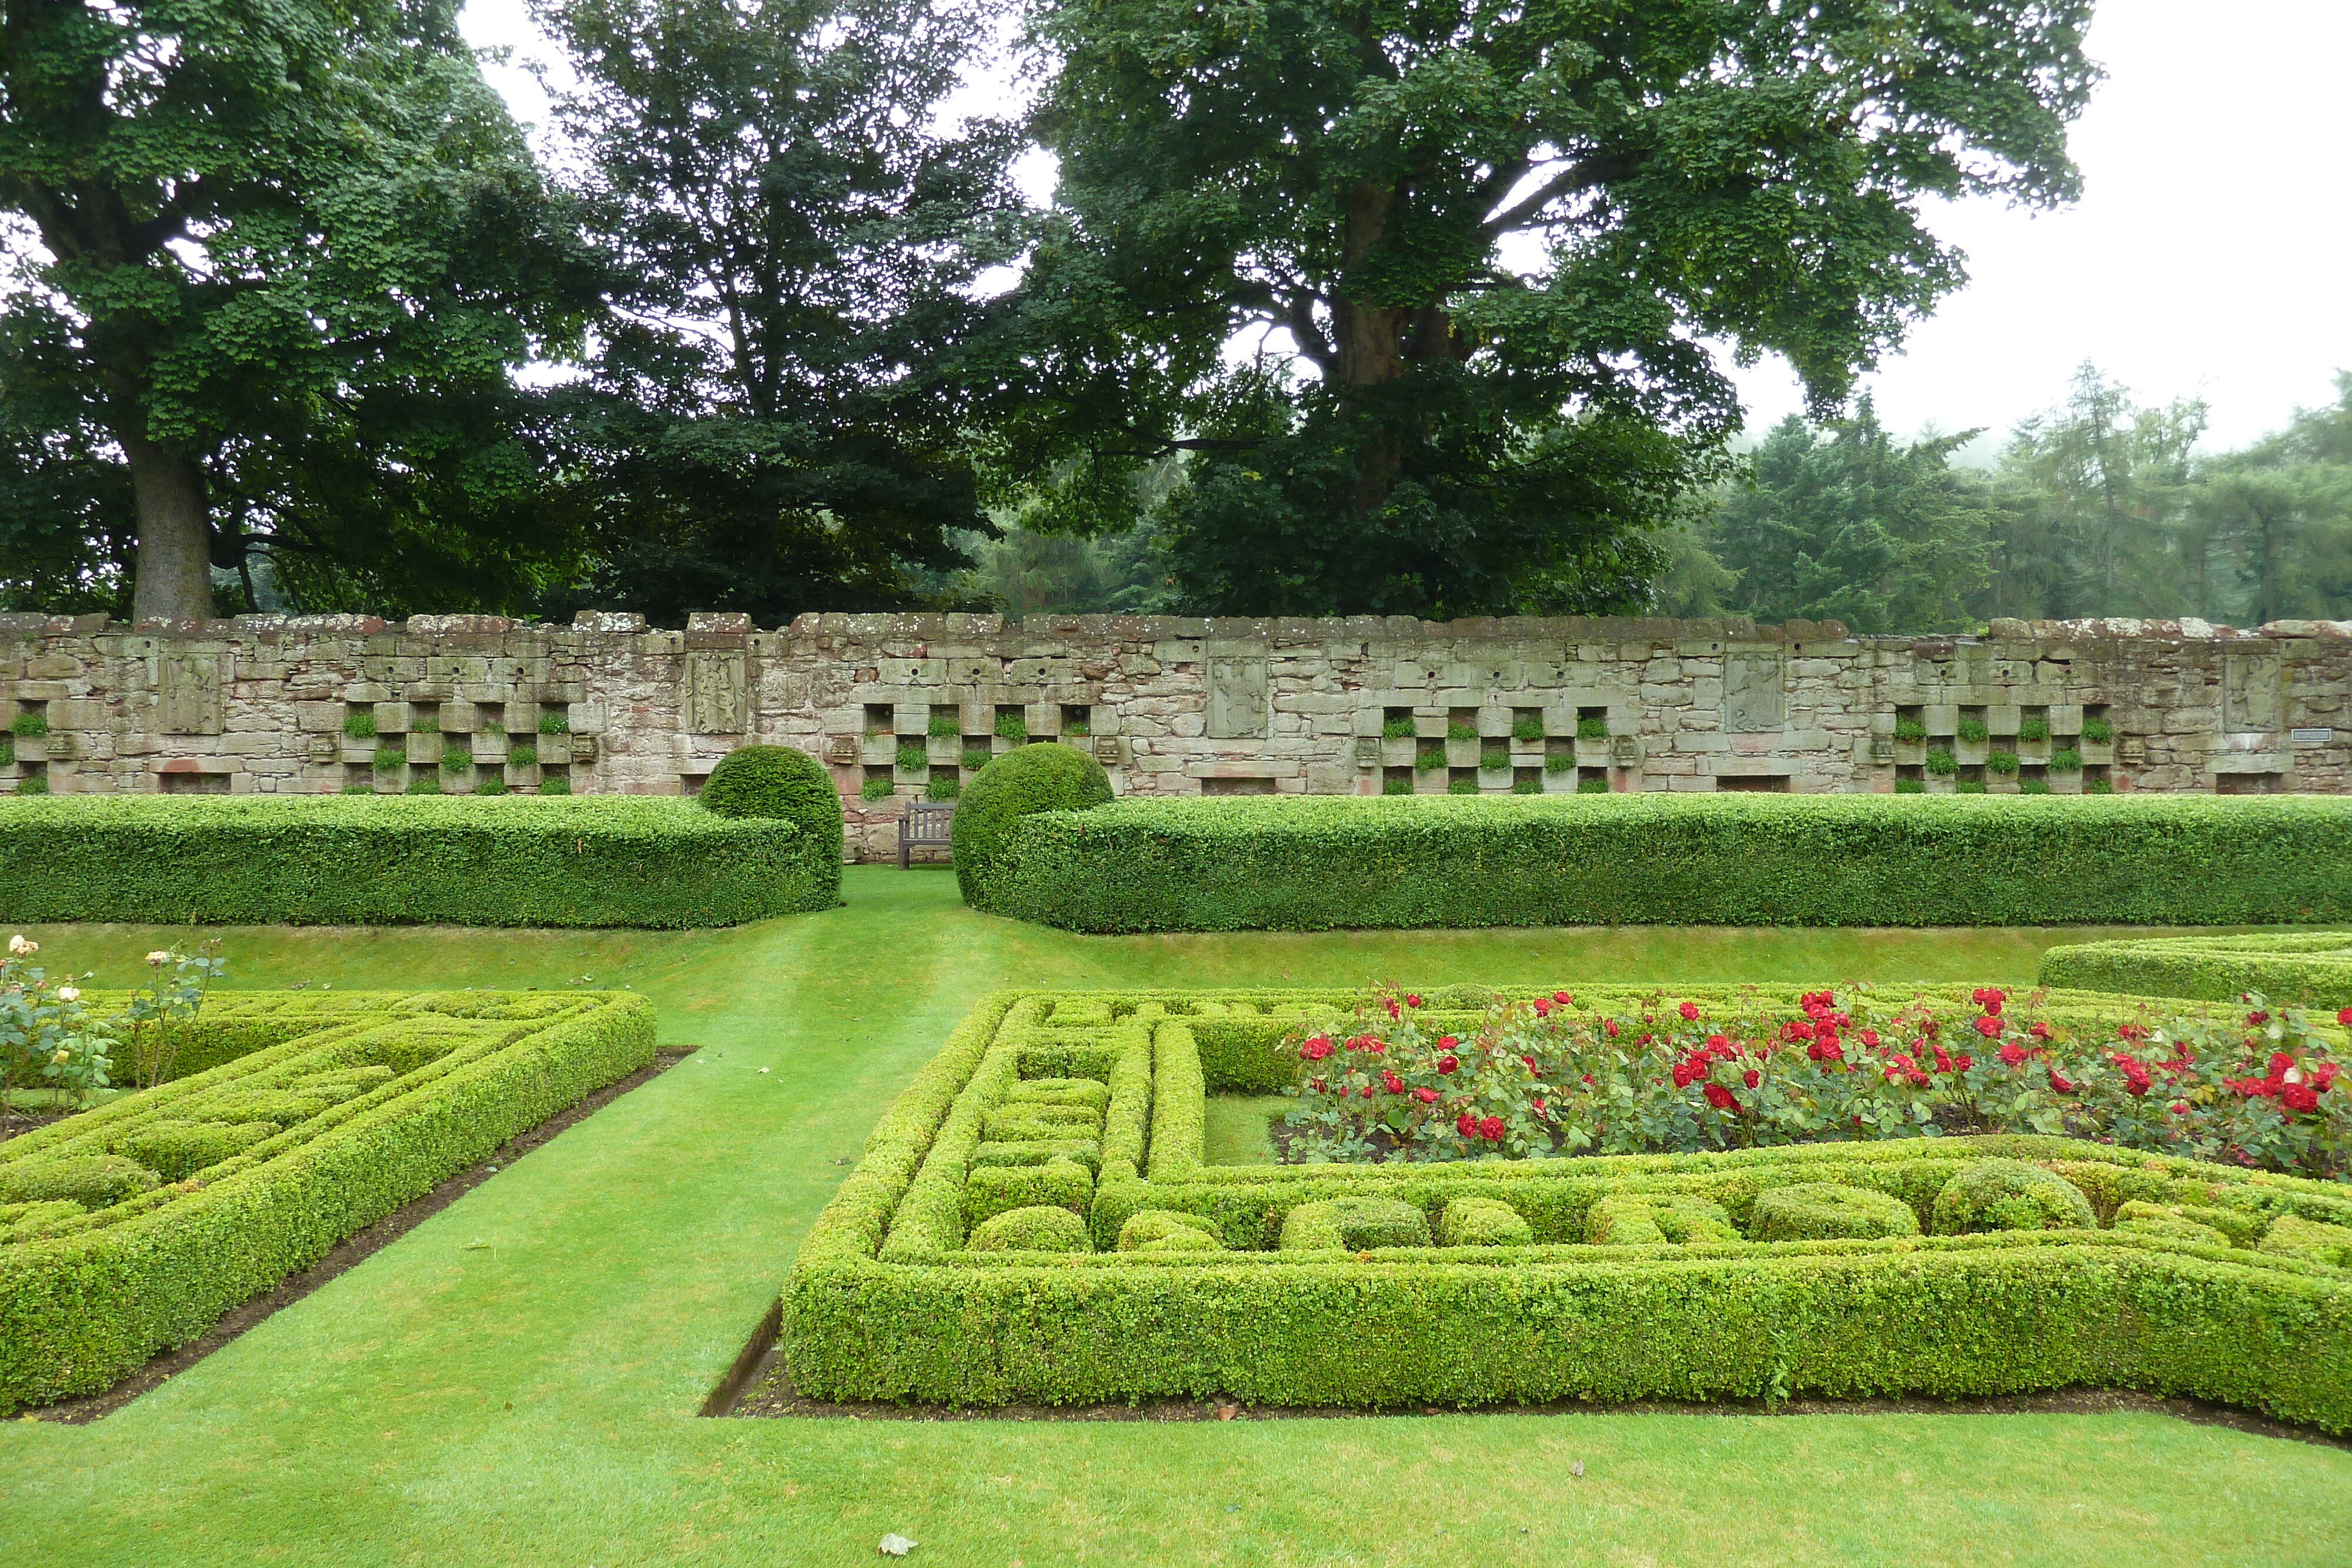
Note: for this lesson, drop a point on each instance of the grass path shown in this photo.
(514, 1382)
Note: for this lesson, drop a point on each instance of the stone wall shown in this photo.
(909, 703)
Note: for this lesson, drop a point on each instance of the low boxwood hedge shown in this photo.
(587, 860)
(1616, 1278)
(1312, 863)
(2314, 969)
(338, 1111)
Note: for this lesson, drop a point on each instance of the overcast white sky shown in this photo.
(2210, 256)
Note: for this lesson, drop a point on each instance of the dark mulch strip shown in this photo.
(770, 1395)
(13, 1121)
(350, 1251)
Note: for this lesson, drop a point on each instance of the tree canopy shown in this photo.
(286, 253)
(1422, 285)
(776, 417)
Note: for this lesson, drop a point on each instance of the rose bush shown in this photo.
(1546, 1079)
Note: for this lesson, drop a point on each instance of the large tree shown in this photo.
(1850, 525)
(1424, 285)
(777, 419)
(266, 239)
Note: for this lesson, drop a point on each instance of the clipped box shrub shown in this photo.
(1483, 1222)
(1031, 1231)
(1314, 862)
(1019, 784)
(2010, 1195)
(1605, 1278)
(1823, 1211)
(601, 861)
(2313, 968)
(317, 1116)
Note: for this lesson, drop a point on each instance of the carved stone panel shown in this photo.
(841, 750)
(716, 691)
(2250, 693)
(1367, 751)
(188, 692)
(1237, 704)
(1753, 699)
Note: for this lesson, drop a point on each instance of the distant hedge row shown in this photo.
(582, 861)
(1312, 863)
(131, 1228)
(2310, 969)
(1954, 1267)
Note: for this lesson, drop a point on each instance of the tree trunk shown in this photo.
(175, 577)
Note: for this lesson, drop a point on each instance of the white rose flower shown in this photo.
(157, 959)
(69, 994)
(19, 947)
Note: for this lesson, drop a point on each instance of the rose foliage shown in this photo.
(1548, 1079)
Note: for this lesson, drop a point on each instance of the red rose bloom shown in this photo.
(2323, 1075)
(1543, 1008)
(1611, 1025)
(2258, 1018)
(1492, 1129)
(1719, 1097)
(1564, 999)
(1468, 1124)
(1392, 1083)
(1316, 1049)
(2058, 1083)
(1448, 1063)
(2299, 1097)
(1426, 1096)
(1368, 1091)
(2345, 1017)
(1988, 1025)
(1394, 1011)
(1411, 1001)
(1690, 1070)
(1870, 1038)
(1689, 1011)
(2012, 1055)
(1447, 1042)
(1752, 1078)
(2040, 1030)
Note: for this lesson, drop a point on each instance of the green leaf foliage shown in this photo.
(1494, 1281)
(1024, 781)
(456, 861)
(2010, 1195)
(1858, 528)
(427, 1086)
(1320, 862)
(293, 251)
(2314, 969)
(781, 417)
(780, 781)
(1482, 436)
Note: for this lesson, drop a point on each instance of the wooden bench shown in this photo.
(926, 822)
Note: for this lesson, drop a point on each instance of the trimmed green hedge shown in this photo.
(2310, 969)
(1049, 776)
(1620, 1277)
(1314, 862)
(98, 1292)
(591, 861)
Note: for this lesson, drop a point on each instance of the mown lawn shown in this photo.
(514, 1381)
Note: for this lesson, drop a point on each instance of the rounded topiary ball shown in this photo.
(1048, 776)
(2010, 1195)
(1827, 1211)
(780, 781)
